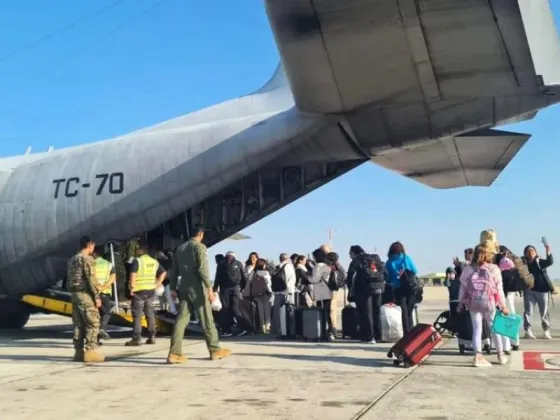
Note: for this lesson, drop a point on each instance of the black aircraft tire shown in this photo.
(13, 315)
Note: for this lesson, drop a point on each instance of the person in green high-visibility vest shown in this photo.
(105, 277)
(146, 275)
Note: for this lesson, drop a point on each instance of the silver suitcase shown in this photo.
(313, 320)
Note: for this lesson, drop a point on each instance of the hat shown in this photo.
(506, 264)
(449, 270)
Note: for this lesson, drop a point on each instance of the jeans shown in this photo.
(406, 303)
(231, 312)
(530, 299)
(105, 310)
(265, 312)
(143, 304)
(370, 321)
(330, 325)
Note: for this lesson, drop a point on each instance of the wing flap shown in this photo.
(473, 159)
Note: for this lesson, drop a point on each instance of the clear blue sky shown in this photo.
(83, 85)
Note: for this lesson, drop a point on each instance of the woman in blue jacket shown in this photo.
(397, 262)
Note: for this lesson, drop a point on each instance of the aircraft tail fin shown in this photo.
(543, 39)
(277, 81)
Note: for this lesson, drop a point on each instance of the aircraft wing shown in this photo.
(472, 159)
(238, 237)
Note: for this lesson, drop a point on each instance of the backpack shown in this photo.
(337, 279)
(234, 271)
(518, 278)
(257, 286)
(279, 283)
(409, 282)
(481, 291)
(370, 272)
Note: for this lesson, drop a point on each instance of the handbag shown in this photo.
(507, 325)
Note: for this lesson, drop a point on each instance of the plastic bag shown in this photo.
(391, 323)
(216, 303)
(159, 291)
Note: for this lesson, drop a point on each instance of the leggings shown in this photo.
(506, 341)
(476, 318)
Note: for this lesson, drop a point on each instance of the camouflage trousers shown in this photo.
(86, 320)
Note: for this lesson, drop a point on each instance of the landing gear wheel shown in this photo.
(13, 314)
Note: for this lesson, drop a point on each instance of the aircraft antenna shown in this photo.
(59, 31)
(84, 49)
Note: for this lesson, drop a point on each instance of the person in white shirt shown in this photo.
(284, 288)
(321, 294)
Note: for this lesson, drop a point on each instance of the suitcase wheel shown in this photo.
(461, 349)
(396, 362)
(487, 349)
(390, 354)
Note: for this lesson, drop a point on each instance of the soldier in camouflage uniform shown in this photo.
(85, 303)
(190, 262)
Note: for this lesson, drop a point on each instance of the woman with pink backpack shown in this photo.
(481, 292)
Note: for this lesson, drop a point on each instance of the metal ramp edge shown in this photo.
(59, 303)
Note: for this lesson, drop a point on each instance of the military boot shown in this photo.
(91, 356)
(135, 342)
(151, 340)
(176, 359)
(219, 354)
(78, 355)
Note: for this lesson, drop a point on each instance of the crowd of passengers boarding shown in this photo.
(298, 298)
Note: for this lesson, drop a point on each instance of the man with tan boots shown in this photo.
(190, 263)
(85, 303)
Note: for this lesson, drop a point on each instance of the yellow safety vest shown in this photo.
(102, 274)
(146, 275)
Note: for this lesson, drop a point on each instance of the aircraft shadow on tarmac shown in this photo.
(345, 360)
(350, 345)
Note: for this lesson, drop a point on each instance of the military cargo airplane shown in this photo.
(415, 86)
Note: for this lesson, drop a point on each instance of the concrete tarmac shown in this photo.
(267, 379)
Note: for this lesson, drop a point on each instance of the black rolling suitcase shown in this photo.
(463, 325)
(350, 321)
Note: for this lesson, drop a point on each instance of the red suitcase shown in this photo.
(415, 346)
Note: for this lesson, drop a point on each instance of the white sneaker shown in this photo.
(547, 335)
(529, 335)
(502, 359)
(481, 363)
(372, 341)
